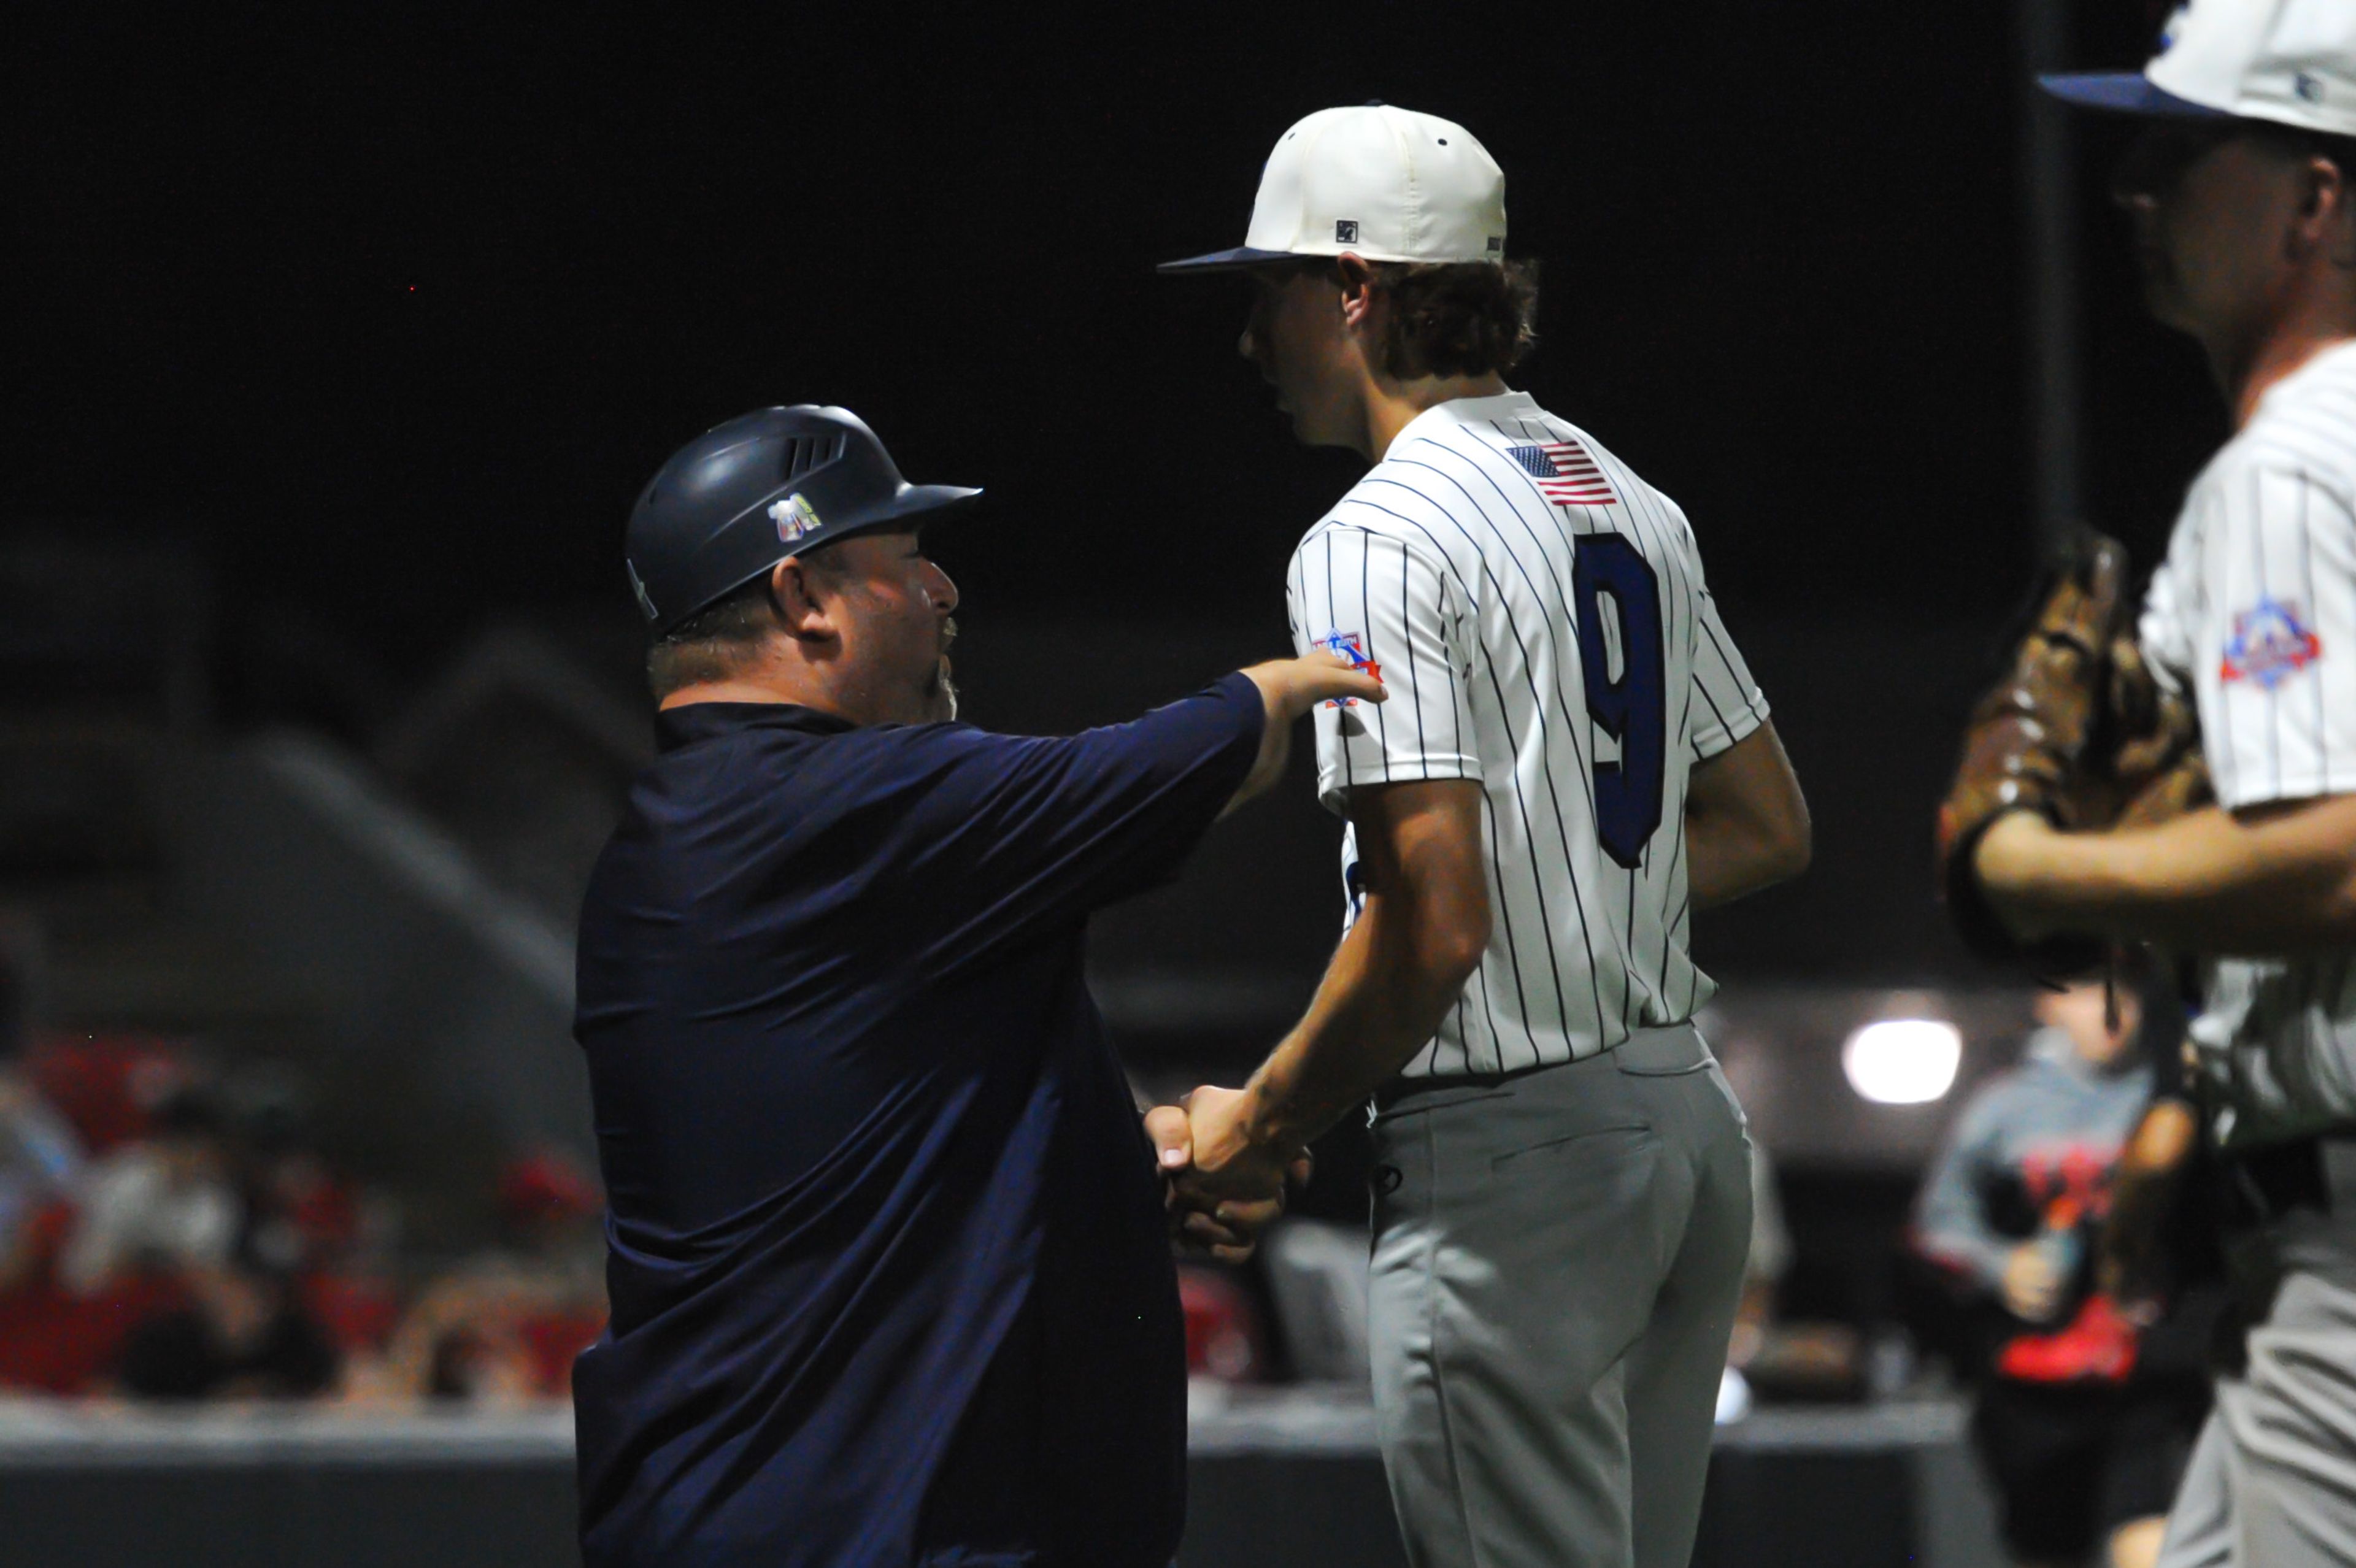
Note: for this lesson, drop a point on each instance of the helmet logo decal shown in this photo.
(646, 600)
(796, 518)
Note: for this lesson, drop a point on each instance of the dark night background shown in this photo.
(394, 311)
(341, 340)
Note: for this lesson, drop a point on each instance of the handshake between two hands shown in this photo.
(1221, 1187)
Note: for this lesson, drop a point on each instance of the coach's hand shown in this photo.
(1228, 1166)
(1290, 687)
(1225, 1224)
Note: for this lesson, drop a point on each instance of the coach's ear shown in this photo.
(806, 612)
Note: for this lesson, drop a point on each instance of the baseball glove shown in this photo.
(2078, 730)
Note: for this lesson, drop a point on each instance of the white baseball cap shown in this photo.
(2289, 61)
(1390, 185)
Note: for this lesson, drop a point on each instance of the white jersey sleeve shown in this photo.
(2253, 613)
(1728, 704)
(1385, 602)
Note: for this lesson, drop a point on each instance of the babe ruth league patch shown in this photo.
(2270, 643)
(795, 518)
(1351, 645)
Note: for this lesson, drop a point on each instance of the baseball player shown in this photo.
(2242, 193)
(1572, 758)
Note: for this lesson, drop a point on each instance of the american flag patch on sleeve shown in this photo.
(1564, 474)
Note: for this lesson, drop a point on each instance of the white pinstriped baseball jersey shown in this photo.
(2255, 612)
(1539, 618)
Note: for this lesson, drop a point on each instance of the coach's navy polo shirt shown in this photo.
(889, 1274)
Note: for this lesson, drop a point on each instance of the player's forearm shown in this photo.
(1726, 861)
(1746, 821)
(1391, 983)
(2207, 882)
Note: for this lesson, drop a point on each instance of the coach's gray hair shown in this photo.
(721, 639)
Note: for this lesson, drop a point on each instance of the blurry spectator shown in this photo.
(1223, 1341)
(166, 1202)
(241, 1333)
(40, 1162)
(2083, 1445)
(62, 1337)
(307, 1224)
(505, 1327)
(554, 1216)
(108, 1086)
(162, 1221)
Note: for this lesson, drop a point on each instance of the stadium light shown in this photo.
(1903, 1062)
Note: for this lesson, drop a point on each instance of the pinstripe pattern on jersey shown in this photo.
(1454, 564)
(2272, 521)
(2269, 529)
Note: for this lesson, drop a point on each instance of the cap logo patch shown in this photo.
(1496, 244)
(1345, 231)
(2307, 86)
(796, 518)
(2270, 643)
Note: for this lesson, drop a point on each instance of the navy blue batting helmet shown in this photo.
(744, 496)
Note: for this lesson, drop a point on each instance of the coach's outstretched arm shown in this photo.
(1746, 822)
(1289, 689)
(1416, 940)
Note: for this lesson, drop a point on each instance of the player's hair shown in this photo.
(726, 636)
(1457, 318)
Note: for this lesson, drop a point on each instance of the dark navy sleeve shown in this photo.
(1021, 832)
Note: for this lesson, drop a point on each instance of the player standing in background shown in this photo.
(1572, 757)
(2241, 189)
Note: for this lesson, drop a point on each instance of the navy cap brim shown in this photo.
(1233, 260)
(914, 502)
(2126, 92)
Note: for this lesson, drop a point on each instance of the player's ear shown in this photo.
(1357, 279)
(2325, 216)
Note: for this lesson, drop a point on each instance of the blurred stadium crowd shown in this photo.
(169, 1231)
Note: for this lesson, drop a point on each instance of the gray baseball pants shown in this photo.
(2273, 1480)
(1557, 1259)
